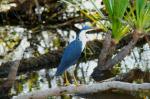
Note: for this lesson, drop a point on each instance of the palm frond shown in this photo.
(116, 10)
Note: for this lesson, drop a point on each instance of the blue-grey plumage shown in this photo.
(72, 52)
(70, 56)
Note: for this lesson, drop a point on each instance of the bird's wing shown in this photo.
(72, 52)
(70, 56)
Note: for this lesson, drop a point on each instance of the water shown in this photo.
(44, 79)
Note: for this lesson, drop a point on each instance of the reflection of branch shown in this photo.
(85, 89)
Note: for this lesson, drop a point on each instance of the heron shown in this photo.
(73, 52)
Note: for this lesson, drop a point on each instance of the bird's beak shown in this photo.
(90, 31)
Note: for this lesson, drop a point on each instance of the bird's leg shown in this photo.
(74, 77)
(75, 80)
(66, 79)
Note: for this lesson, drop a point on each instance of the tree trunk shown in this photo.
(103, 71)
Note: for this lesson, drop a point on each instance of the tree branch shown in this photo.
(85, 89)
(7, 84)
(121, 55)
(104, 52)
(124, 52)
(104, 71)
(132, 75)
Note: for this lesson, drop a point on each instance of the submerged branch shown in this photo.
(85, 89)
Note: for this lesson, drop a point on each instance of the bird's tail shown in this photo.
(60, 70)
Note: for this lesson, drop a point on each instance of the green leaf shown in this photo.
(139, 7)
(142, 15)
(109, 5)
(120, 8)
(116, 10)
(122, 33)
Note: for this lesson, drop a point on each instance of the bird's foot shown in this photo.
(76, 83)
(67, 83)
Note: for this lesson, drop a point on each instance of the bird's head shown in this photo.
(82, 34)
(86, 27)
(83, 31)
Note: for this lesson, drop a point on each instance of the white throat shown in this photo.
(82, 38)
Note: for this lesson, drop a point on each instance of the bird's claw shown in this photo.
(67, 84)
(76, 83)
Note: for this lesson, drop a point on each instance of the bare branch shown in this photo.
(124, 52)
(5, 87)
(104, 52)
(130, 76)
(85, 89)
(100, 72)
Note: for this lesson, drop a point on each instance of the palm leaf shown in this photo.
(142, 15)
(116, 10)
(109, 7)
(120, 8)
(139, 7)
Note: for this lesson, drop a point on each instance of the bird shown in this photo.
(73, 51)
